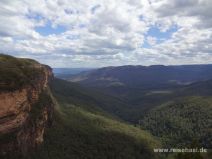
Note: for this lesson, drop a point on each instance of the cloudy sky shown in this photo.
(96, 33)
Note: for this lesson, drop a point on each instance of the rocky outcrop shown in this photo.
(25, 113)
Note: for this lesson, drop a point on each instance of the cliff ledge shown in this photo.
(26, 104)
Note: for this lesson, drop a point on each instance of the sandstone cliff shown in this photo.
(25, 107)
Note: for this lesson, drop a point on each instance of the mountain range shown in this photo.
(107, 113)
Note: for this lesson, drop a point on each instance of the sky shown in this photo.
(98, 33)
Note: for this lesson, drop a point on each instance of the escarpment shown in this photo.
(25, 104)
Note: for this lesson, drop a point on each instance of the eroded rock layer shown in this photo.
(25, 112)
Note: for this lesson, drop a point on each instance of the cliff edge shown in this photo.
(26, 104)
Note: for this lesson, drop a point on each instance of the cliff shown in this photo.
(25, 104)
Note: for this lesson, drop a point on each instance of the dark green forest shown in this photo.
(82, 130)
(182, 121)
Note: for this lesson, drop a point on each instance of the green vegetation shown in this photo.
(90, 99)
(79, 132)
(90, 123)
(44, 100)
(17, 72)
(181, 121)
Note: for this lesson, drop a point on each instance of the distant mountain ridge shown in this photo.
(141, 76)
(67, 72)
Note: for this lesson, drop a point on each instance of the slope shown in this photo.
(91, 99)
(81, 132)
(142, 88)
(181, 121)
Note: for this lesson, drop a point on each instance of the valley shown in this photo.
(106, 79)
(179, 113)
(100, 119)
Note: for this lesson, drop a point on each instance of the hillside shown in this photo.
(179, 124)
(182, 121)
(175, 105)
(81, 130)
(142, 88)
(91, 98)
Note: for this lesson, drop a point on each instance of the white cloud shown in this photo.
(151, 40)
(107, 32)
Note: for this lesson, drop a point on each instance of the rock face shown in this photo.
(25, 113)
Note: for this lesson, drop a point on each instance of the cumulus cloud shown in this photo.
(151, 40)
(107, 32)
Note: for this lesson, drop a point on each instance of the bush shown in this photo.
(16, 73)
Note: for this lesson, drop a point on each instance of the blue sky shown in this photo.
(108, 32)
(48, 29)
(159, 35)
(155, 32)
